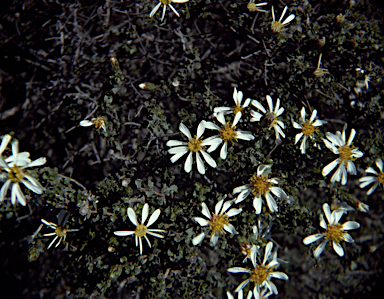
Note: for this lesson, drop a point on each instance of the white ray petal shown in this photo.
(205, 210)
(188, 163)
(337, 247)
(312, 238)
(197, 240)
(200, 164)
(153, 217)
(132, 216)
(319, 249)
(185, 131)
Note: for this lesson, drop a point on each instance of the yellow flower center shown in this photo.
(238, 108)
(165, 2)
(216, 224)
(320, 72)
(194, 145)
(99, 122)
(308, 128)
(345, 154)
(334, 233)
(259, 274)
(252, 6)
(260, 185)
(16, 174)
(276, 26)
(228, 133)
(60, 231)
(380, 177)
(141, 230)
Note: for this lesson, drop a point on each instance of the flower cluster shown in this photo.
(227, 132)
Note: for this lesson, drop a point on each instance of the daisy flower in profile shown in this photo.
(259, 236)
(227, 133)
(308, 128)
(217, 222)
(194, 145)
(376, 179)
(252, 6)
(98, 122)
(320, 71)
(261, 274)
(347, 154)
(141, 229)
(238, 98)
(277, 26)
(334, 231)
(60, 232)
(16, 173)
(271, 116)
(261, 185)
(165, 3)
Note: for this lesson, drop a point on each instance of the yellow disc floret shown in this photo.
(228, 133)
(60, 231)
(217, 223)
(260, 185)
(237, 108)
(334, 233)
(259, 274)
(345, 154)
(16, 174)
(194, 145)
(140, 230)
(165, 2)
(308, 128)
(276, 26)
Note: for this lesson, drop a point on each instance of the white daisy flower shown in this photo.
(334, 231)
(238, 98)
(16, 173)
(218, 222)
(60, 232)
(320, 71)
(261, 274)
(376, 180)
(347, 154)
(226, 133)
(271, 116)
(194, 145)
(261, 185)
(277, 26)
(141, 229)
(98, 122)
(165, 3)
(307, 127)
